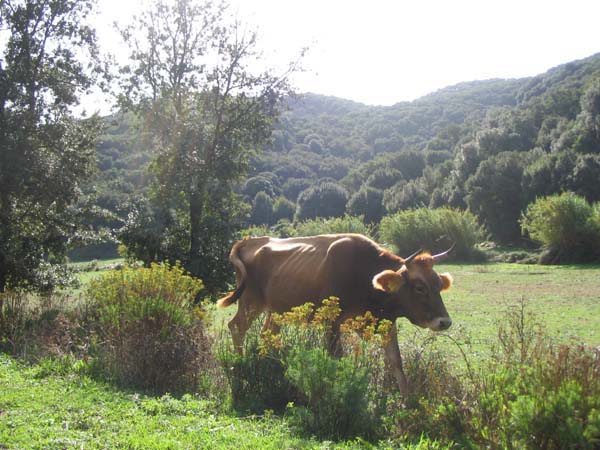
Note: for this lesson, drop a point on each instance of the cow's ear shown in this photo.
(447, 281)
(388, 281)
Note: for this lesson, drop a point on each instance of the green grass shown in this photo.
(41, 411)
(565, 300)
(47, 411)
(89, 270)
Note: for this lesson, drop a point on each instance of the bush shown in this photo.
(434, 230)
(537, 394)
(325, 396)
(568, 227)
(335, 392)
(532, 394)
(337, 398)
(346, 224)
(257, 383)
(150, 333)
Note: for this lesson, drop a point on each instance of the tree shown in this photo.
(494, 194)
(585, 176)
(47, 61)
(325, 199)
(411, 163)
(368, 202)
(406, 195)
(257, 184)
(283, 209)
(206, 111)
(262, 209)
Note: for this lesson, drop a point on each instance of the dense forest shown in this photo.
(491, 147)
(207, 146)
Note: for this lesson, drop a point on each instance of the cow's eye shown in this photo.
(421, 289)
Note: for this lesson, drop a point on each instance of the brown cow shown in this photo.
(274, 275)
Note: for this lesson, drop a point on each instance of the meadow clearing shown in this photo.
(56, 404)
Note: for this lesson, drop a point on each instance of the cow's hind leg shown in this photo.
(240, 323)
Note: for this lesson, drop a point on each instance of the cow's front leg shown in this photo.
(392, 352)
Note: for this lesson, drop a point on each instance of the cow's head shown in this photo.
(414, 290)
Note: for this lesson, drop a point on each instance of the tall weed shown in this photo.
(34, 327)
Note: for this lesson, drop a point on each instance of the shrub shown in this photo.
(568, 227)
(346, 224)
(335, 393)
(434, 230)
(536, 394)
(337, 398)
(257, 383)
(150, 333)
(325, 396)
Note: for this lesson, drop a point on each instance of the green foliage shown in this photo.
(434, 230)
(262, 209)
(325, 199)
(406, 195)
(151, 334)
(566, 225)
(584, 178)
(495, 196)
(283, 209)
(257, 383)
(368, 203)
(556, 419)
(49, 58)
(346, 224)
(257, 184)
(336, 393)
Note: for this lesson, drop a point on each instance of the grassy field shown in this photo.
(42, 409)
(564, 300)
(47, 407)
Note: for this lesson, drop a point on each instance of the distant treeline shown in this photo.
(491, 147)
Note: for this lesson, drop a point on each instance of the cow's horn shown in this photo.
(411, 257)
(441, 256)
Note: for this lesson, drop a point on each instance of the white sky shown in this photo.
(382, 52)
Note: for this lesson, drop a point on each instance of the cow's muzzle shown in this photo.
(440, 324)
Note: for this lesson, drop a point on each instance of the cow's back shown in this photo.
(283, 273)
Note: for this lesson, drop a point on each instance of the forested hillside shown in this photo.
(488, 146)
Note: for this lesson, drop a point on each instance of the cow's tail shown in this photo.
(240, 268)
